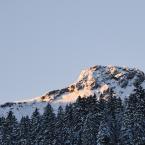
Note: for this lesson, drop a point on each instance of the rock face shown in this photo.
(99, 80)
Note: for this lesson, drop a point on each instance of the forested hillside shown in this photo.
(88, 121)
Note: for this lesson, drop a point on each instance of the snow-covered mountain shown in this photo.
(99, 80)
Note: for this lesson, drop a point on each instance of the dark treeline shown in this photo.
(85, 122)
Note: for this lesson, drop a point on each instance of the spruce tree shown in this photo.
(114, 113)
(126, 135)
(35, 127)
(47, 136)
(133, 124)
(139, 117)
(90, 129)
(92, 120)
(10, 130)
(68, 125)
(24, 132)
(60, 127)
(2, 121)
(78, 120)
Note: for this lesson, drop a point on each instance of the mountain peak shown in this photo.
(98, 80)
(96, 71)
(97, 76)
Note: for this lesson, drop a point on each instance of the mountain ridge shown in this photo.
(98, 80)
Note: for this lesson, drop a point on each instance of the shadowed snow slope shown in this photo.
(99, 80)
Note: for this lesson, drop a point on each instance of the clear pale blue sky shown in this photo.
(45, 43)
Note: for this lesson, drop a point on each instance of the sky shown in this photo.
(45, 44)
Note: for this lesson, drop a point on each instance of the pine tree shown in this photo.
(139, 117)
(133, 127)
(114, 114)
(10, 131)
(92, 120)
(68, 125)
(2, 121)
(78, 120)
(60, 127)
(90, 129)
(126, 136)
(47, 136)
(24, 133)
(35, 127)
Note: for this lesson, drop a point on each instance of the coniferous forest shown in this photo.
(88, 121)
